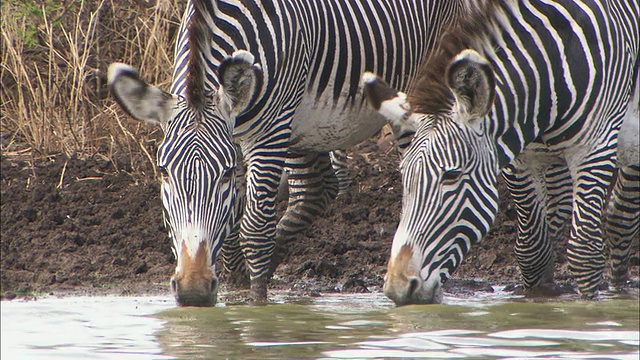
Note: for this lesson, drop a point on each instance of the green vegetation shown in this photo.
(54, 57)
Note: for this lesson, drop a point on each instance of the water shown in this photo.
(331, 326)
(82, 328)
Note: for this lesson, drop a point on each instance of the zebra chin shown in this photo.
(405, 286)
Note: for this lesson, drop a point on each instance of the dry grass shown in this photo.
(54, 57)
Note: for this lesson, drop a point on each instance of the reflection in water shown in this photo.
(331, 326)
(279, 330)
(82, 328)
(367, 326)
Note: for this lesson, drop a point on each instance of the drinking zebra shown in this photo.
(281, 79)
(539, 88)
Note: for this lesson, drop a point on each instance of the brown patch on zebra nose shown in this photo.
(403, 277)
(194, 283)
(399, 265)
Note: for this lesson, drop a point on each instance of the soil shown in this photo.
(94, 226)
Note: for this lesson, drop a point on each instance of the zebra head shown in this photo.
(198, 160)
(449, 175)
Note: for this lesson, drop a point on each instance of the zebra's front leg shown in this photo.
(623, 221)
(232, 257)
(526, 179)
(340, 170)
(559, 199)
(258, 226)
(585, 250)
(559, 208)
(312, 185)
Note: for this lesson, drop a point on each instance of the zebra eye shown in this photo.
(451, 176)
(163, 171)
(228, 174)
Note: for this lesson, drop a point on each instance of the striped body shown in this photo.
(538, 87)
(312, 54)
(298, 63)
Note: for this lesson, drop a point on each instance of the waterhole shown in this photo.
(340, 326)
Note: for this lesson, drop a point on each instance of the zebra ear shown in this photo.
(139, 99)
(473, 83)
(390, 103)
(240, 83)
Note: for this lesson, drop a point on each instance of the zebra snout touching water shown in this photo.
(273, 85)
(540, 90)
(198, 160)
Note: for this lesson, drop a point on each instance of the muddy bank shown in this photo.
(95, 226)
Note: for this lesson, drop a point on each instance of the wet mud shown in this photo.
(94, 226)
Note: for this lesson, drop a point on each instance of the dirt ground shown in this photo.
(87, 227)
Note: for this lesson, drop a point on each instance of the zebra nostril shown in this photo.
(214, 285)
(174, 285)
(414, 285)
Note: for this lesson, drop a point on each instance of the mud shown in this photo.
(94, 226)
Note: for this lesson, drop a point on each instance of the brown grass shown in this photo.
(54, 54)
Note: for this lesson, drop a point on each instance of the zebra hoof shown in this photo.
(259, 290)
(620, 278)
(550, 290)
(594, 296)
(625, 286)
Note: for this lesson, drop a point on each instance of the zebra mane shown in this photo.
(429, 93)
(199, 39)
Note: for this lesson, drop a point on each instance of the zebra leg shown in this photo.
(623, 221)
(258, 225)
(232, 257)
(341, 170)
(585, 249)
(534, 250)
(559, 206)
(312, 185)
(623, 213)
(559, 199)
(335, 174)
(541, 187)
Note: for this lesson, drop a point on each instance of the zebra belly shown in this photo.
(320, 126)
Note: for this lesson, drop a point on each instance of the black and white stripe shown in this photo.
(564, 72)
(311, 54)
(198, 168)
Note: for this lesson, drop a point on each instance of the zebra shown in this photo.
(536, 88)
(281, 79)
(622, 223)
